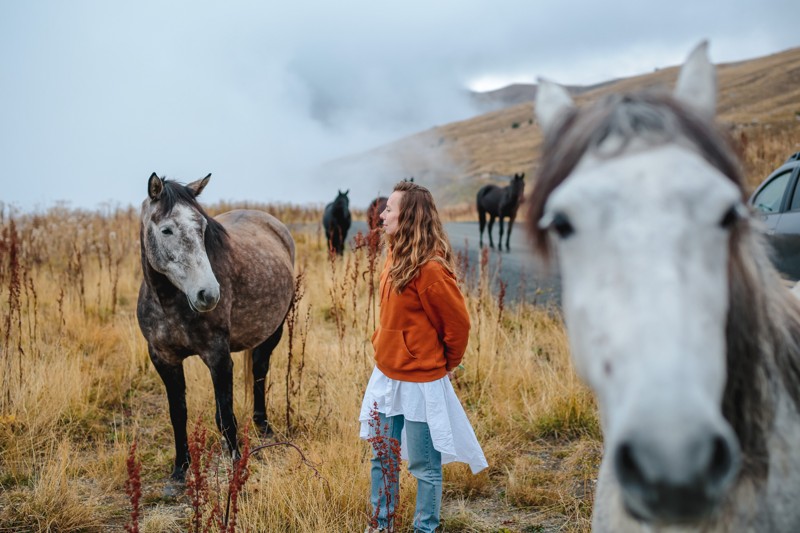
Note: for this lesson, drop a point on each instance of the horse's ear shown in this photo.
(346, 192)
(552, 102)
(155, 186)
(520, 176)
(697, 82)
(197, 186)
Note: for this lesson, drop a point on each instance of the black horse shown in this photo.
(336, 221)
(500, 202)
(374, 211)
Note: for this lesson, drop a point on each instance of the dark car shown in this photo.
(777, 202)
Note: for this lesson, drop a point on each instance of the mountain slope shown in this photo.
(759, 100)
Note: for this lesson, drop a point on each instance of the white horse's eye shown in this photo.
(166, 231)
(561, 225)
(733, 215)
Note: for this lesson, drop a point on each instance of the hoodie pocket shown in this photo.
(392, 352)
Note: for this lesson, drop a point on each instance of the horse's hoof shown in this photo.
(265, 432)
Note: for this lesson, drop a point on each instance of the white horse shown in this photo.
(676, 318)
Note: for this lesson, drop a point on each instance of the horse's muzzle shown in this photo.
(663, 487)
(205, 300)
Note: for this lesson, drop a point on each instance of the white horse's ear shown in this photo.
(552, 102)
(697, 82)
(155, 186)
(197, 186)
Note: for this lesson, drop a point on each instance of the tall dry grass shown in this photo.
(79, 389)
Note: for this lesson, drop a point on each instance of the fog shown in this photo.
(94, 95)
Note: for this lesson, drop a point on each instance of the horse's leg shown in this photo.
(508, 235)
(220, 365)
(491, 225)
(261, 356)
(481, 225)
(175, 383)
(500, 237)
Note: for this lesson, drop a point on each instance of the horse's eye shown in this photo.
(562, 226)
(167, 231)
(731, 216)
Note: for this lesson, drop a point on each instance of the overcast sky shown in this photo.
(96, 95)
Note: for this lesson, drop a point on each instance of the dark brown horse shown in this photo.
(500, 202)
(211, 286)
(374, 211)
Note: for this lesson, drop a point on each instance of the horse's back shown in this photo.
(261, 274)
(488, 198)
(484, 191)
(253, 227)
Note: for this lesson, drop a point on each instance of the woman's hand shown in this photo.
(451, 374)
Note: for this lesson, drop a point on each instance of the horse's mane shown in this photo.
(763, 324)
(763, 340)
(216, 237)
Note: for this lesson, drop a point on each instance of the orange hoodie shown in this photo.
(424, 330)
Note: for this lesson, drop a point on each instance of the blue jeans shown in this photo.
(424, 463)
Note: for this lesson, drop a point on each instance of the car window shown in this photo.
(768, 199)
(794, 205)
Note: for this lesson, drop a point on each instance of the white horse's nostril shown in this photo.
(666, 483)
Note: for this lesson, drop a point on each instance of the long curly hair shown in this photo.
(420, 236)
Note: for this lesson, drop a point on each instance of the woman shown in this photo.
(422, 336)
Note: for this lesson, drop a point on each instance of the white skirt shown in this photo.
(436, 404)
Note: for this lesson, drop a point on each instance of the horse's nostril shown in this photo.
(201, 296)
(721, 459)
(627, 467)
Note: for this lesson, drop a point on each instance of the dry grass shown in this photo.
(80, 388)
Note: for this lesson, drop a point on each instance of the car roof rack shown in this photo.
(794, 157)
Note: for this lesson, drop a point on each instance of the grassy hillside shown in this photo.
(759, 101)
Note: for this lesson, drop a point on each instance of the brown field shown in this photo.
(77, 389)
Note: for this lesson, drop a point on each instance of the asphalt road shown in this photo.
(524, 275)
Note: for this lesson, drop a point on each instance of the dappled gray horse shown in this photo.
(211, 286)
(676, 317)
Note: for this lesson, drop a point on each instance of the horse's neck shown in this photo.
(511, 193)
(160, 285)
